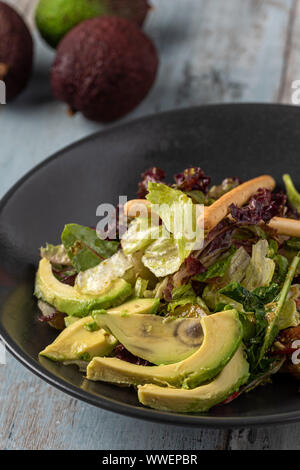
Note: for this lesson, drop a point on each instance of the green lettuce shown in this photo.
(182, 291)
(289, 316)
(163, 257)
(94, 280)
(292, 244)
(216, 301)
(140, 234)
(238, 266)
(218, 269)
(140, 287)
(281, 269)
(292, 193)
(184, 295)
(84, 248)
(278, 312)
(193, 300)
(253, 316)
(261, 268)
(178, 214)
(56, 254)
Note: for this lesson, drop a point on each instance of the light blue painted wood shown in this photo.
(216, 51)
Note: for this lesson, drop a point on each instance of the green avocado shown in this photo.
(68, 300)
(80, 341)
(222, 336)
(70, 320)
(54, 18)
(134, 306)
(202, 398)
(156, 339)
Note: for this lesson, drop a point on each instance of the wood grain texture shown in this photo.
(216, 51)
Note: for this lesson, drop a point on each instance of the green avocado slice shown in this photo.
(156, 339)
(84, 338)
(222, 336)
(134, 306)
(202, 398)
(80, 342)
(68, 300)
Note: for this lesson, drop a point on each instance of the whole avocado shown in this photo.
(16, 51)
(104, 68)
(55, 18)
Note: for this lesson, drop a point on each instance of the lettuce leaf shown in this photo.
(182, 291)
(192, 300)
(84, 248)
(56, 254)
(139, 235)
(216, 301)
(281, 269)
(261, 268)
(218, 269)
(289, 317)
(292, 193)
(277, 312)
(178, 214)
(238, 266)
(251, 301)
(162, 257)
(94, 280)
(140, 287)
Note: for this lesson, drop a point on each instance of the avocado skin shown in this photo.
(55, 18)
(16, 51)
(67, 300)
(200, 399)
(115, 63)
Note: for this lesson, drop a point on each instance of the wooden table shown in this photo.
(211, 51)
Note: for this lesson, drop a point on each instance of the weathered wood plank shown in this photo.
(34, 415)
(212, 51)
(291, 68)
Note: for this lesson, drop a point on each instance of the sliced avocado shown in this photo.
(68, 300)
(70, 320)
(79, 342)
(202, 398)
(135, 306)
(222, 336)
(156, 339)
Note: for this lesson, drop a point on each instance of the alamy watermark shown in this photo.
(2, 92)
(180, 222)
(296, 354)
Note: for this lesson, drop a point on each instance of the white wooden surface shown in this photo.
(211, 51)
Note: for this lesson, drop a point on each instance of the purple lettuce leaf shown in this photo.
(155, 175)
(191, 179)
(262, 207)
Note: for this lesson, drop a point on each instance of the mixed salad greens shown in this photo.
(190, 325)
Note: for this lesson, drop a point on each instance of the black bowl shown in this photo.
(243, 140)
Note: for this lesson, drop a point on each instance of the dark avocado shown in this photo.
(16, 51)
(104, 68)
(136, 10)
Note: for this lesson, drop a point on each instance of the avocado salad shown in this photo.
(190, 321)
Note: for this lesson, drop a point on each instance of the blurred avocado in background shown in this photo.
(55, 18)
(16, 51)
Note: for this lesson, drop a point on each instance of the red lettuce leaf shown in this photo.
(261, 208)
(191, 179)
(155, 175)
